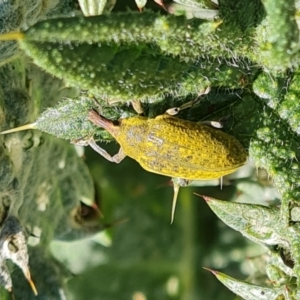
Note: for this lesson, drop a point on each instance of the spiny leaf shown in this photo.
(247, 290)
(96, 7)
(258, 223)
(281, 43)
(69, 120)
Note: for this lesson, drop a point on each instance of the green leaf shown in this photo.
(258, 223)
(249, 291)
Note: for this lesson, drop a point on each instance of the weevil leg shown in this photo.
(214, 124)
(177, 183)
(221, 182)
(137, 106)
(175, 110)
(117, 158)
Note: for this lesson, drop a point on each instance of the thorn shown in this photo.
(199, 195)
(89, 210)
(33, 235)
(221, 182)
(20, 128)
(176, 191)
(210, 270)
(115, 223)
(206, 198)
(31, 283)
(12, 295)
(12, 36)
(217, 24)
(161, 3)
(121, 221)
(98, 211)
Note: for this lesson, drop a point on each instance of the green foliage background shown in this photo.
(249, 56)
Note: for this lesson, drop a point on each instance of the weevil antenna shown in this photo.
(12, 36)
(21, 128)
(175, 196)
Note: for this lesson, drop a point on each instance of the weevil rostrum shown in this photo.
(173, 147)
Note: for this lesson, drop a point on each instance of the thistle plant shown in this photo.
(248, 54)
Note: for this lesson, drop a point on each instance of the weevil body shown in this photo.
(173, 147)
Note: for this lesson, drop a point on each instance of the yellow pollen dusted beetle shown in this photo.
(170, 146)
(173, 147)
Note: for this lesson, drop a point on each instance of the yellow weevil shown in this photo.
(170, 146)
(173, 147)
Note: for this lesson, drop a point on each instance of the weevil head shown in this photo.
(104, 123)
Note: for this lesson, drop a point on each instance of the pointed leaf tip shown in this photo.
(12, 295)
(210, 270)
(206, 198)
(20, 128)
(32, 285)
(161, 3)
(176, 188)
(12, 36)
(30, 281)
(97, 210)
